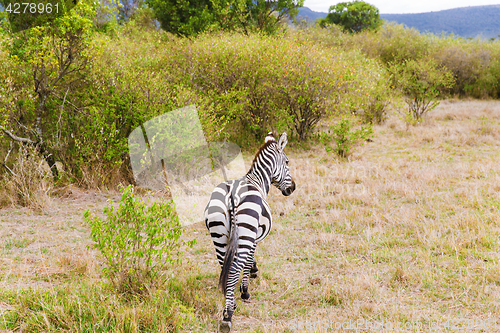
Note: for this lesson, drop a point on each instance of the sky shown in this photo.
(404, 6)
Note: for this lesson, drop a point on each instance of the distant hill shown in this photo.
(309, 15)
(475, 21)
(483, 21)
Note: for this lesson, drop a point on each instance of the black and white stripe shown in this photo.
(238, 217)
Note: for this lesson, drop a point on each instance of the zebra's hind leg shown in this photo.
(245, 295)
(254, 271)
(225, 324)
(234, 274)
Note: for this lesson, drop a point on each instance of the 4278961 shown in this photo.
(32, 7)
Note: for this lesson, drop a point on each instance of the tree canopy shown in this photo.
(23, 15)
(191, 17)
(353, 16)
(49, 57)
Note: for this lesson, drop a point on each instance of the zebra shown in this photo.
(238, 217)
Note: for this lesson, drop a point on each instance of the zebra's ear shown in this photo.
(270, 137)
(282, 141)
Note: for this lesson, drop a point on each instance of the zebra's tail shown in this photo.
(232, 247)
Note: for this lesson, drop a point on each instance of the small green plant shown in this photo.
(136, 241)
(345, 133)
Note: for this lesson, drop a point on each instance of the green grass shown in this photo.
(83, 306)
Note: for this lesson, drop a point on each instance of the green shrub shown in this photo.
(130, 82)
(309, 82)
(46, 64)
(473, 63)
(392, 43)
(345, 133)
(488, 84)
(372, 93)
(331, 36)
(137, 241)
(461, 64)
(242, 86)
(254, 83)
(420, 81)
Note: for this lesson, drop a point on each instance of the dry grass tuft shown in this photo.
(28, 183)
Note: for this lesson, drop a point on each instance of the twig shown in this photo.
(73, 105)
(58, 133)
(15, 137)
(5, 160)
(8, 153)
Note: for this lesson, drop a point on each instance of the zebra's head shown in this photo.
(280, 173)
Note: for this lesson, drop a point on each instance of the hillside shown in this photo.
(309, 15)
(465, 22)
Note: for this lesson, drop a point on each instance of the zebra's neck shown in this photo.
(261, 178)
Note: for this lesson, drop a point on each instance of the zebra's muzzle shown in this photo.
(286, 192)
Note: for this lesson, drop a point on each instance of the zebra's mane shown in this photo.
(261, 149)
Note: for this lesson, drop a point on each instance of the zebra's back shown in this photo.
(252, 213)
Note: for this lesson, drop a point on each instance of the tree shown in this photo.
(46, 62)
(268, 16)
(24, 15)
(353, 16)
(191, 17)
(127, 8)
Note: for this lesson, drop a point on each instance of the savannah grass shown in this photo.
(403, 231)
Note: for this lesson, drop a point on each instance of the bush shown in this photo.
(130, 83)
(420, 81)
(372, 93)
(345, 134)
(331, 36)
(243, 86)
(473, 63)
(137, 241)
(251, 81)
(392, 43)
(488, 83)
(464, 65)
(256, 83)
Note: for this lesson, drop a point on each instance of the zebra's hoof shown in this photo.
(245, 297)
(225, 326)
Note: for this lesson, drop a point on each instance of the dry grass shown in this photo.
(28, 183)
(405, 233)
(38, 249)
